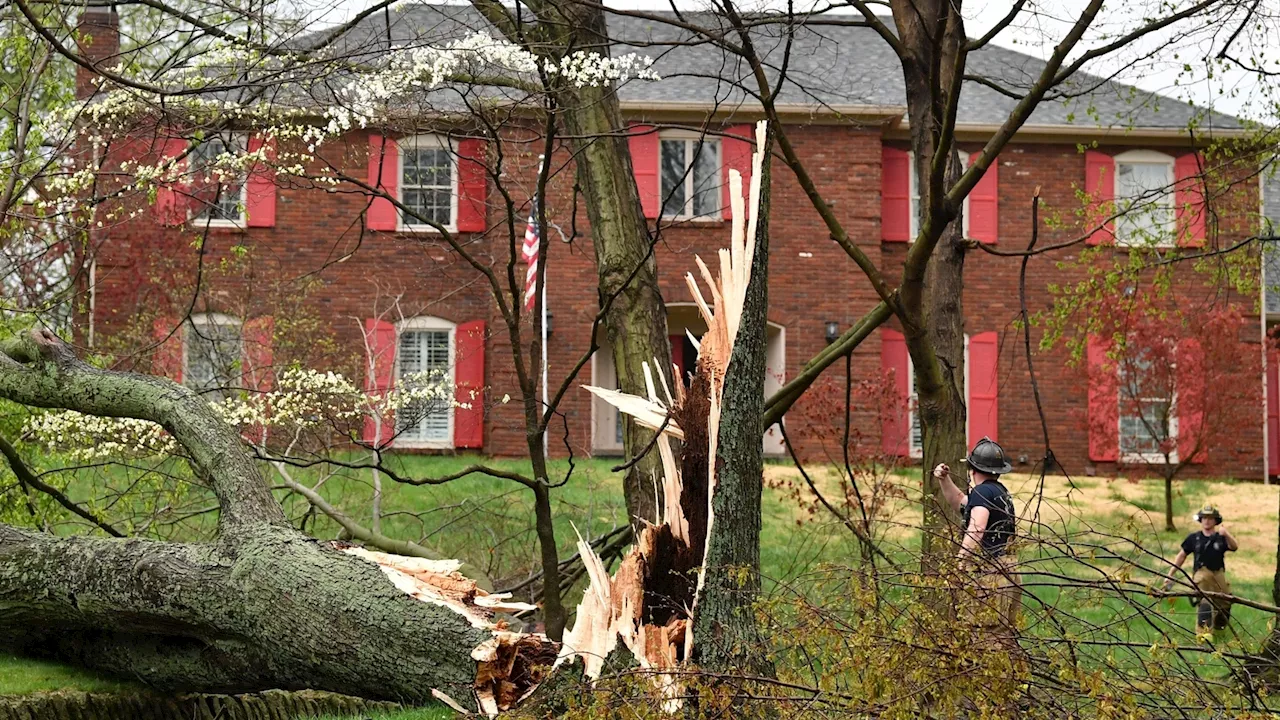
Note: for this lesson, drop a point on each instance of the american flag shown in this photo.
(532, 243)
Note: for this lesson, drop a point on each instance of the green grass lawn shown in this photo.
(487, 522)
(23, 676)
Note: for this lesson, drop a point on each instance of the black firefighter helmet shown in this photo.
(1208, 511)
(988, 457)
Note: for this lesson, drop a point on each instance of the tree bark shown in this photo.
(942, 413)
(932, 311)
(636, 321)
(1168, 504)
(273, 610)
(726, 635)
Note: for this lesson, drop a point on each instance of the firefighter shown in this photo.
(987, 510)
(1208, 546)
(989, 520)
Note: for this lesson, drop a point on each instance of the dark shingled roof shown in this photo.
(832, 66)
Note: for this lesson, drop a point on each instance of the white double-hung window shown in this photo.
(218, 185)
(213, 354)
(428, 182)
(689, 167)
(1144, 199)
(1148, 417)
(425, 363)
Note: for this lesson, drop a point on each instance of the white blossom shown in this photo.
(302, 398)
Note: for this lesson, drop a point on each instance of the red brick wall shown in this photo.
(350, 274)
(991, 304)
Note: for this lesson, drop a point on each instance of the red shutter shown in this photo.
(1273, 413)
(468, 380)
(984, 206)
(895, 422)
(984, 357)
(677, 356)
(1104, 403)
(736, 152)
(384, 174)
(258, 334)
(1100, 186)
(644, 163)
(1189, 199)
(472, 185)
(380, 368)
(171, 197)
(260, 187)
(895, 195)
(1189, 386)
(167, 360)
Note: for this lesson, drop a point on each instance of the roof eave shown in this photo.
(1104, 135)
(676, 111)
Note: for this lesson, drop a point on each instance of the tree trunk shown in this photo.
(273, 610)
(942, 413)
(636, 322)
(726, 635)
(1168, 504)
(553, 613)
(932, 56)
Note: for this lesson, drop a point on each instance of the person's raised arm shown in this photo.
(1232, 545)
(951, 494)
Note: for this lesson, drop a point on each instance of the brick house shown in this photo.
(392, 292)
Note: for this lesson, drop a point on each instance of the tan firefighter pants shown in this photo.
(1212, 614)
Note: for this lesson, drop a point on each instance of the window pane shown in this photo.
(426, 184)
(424, 365)
(917, 432)
(1142, 194)
(1146, 410)
(673, 172)
(706, 179)
(217, 191)
(213, 356)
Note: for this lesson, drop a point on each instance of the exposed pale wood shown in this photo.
(613, 608)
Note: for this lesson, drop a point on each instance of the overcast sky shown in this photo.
(1172, 63)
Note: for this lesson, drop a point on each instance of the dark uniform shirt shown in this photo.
(1000, 525)
(1209, 550)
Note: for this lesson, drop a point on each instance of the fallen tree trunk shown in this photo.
(275, 609)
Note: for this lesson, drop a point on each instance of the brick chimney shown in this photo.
(99, 30)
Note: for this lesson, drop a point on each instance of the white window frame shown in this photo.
(199, 218)
(915, 451)
(197, 321)
(913, 195)
(416, 141)
(428, 323)
(1155, 458)
(691, 139)
(1148, 157)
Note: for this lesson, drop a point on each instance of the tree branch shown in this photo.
(27, 477)
(786, 396)
(42, 371)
